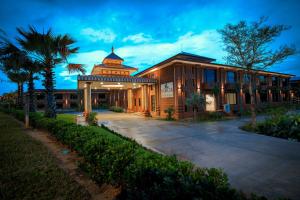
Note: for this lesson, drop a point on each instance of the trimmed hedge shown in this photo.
(141, 173)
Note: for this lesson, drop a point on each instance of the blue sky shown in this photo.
(145, 32)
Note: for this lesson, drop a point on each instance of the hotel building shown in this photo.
(170, 82)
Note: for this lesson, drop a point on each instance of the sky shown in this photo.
(142, 32)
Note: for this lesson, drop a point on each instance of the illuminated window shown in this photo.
(230, 98)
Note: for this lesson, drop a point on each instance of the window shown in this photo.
(263, 97)
(101, 96)
(152, 103)
(230, 98)
(275, 81)
(139, 101)
(247, 98)
(73, 96)
(73, 105)
(230, 77)
(58, 96)
(262, 79)
(40, 96)
(247, 78)
(285, 82)
(275, 96)
(209, 76)
(59, 105)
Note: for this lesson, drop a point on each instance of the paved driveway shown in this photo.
(254, 163)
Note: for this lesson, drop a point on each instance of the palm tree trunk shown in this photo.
(20, 96)
(252, 105)
(49, 87)
(31, 93)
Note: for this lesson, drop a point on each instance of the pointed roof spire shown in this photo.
(112, 49)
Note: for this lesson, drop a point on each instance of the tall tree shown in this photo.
(49, 50)
(248, 45)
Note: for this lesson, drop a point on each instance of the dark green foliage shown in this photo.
(91, 118)
(283, 126)
(116, 109)
(170, 112)
(278, 125)
(141, 173)
(211, 116)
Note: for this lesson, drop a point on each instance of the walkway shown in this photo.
(254, 163)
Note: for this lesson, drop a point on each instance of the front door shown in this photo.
(210, 102)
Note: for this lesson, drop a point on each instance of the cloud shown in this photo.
(138, 38)
(144, 55)
(106, 35)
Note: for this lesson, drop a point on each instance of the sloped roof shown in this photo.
(183, 56)
(116, 66)
(131, 79)
(113, 56)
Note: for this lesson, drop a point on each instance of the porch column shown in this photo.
(87, 98)
(129, 99)
(145, 100)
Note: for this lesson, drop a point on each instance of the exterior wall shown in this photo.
(188, 78)
(72, 99)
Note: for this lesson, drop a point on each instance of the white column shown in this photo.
(87, 98)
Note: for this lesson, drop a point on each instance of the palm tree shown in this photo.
(19, 78)
(17, 64)
(49, 50)
(12, 60)
(32, 67)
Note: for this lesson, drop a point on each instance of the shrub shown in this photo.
(116, 109)
(92, 119)
(169, 111)
(283, 126)
(140, 173)
(210, 116)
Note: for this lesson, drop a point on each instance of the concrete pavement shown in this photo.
(254, 163)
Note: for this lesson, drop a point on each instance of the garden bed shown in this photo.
(277, 125)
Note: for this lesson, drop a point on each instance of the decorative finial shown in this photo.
(112, 49)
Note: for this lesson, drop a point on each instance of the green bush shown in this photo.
(170, 112)
(140, 173)
(92, 119)
(116, 109)
(210, 116)
(282, 126)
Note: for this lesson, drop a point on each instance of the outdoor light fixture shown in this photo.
(119, 83)
(113, 86)
(101, 83)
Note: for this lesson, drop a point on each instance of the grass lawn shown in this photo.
(67, 117)
(28, 170)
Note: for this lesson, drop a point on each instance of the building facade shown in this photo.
(171, 82)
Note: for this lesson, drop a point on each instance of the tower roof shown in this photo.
(113, 56)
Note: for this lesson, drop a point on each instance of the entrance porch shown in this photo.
(130, 93)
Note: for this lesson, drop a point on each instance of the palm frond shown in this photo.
(76, 68)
